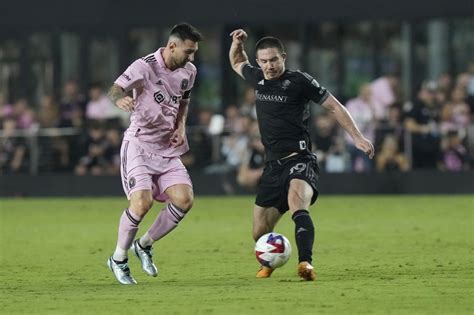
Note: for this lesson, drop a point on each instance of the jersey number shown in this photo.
(299, 168)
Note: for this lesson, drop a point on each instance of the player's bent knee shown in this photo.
(141, 205)
(184, 202)
(181, 196)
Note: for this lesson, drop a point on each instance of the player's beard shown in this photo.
(181, 63)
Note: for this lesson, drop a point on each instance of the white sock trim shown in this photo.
(120, 254)
(146, 240)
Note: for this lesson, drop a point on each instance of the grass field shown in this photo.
(373, 255)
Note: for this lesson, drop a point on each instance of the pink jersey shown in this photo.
(158, 92)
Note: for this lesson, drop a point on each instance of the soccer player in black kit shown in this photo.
(290, 177)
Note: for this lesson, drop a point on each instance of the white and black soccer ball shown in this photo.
(273, 250)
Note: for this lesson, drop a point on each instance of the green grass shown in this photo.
(373, 255)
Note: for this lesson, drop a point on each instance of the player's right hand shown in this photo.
(239, 36)
(126, 103)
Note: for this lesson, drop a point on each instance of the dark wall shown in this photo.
(419, 182)
(121, 13)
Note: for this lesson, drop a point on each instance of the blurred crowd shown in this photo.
(433, 130)
(91, 144)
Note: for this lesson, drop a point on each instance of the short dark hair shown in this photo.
(186, 31)
(270, 42)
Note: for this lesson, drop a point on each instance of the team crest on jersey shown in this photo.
(285, 84)
(184, 84)
(131, 182)
(159, 97)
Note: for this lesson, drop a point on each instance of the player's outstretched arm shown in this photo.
(120, 99)
(344, 119)
(237, 55)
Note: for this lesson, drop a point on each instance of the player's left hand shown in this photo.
(177, 138)
(365, 146)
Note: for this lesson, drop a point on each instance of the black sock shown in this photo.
(304, 235)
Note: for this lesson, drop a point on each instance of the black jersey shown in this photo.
(283, 109)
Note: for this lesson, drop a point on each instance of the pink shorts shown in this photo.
(144, 170)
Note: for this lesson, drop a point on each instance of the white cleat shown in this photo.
(121, 271)
(145, 257)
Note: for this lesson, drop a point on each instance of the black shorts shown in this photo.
(273, 187)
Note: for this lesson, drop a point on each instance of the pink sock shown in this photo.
(167, 220)
(128, 228)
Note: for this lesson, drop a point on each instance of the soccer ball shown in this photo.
(272, 250)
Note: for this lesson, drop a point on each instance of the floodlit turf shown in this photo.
(373, 255)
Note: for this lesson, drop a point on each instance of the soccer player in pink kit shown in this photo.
(151, 168)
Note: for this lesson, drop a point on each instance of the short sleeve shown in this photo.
(133, 76)
(252, 74)
(312, 89)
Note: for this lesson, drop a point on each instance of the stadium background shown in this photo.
(58, 59)
(379, 254)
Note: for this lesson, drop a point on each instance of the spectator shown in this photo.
(389, 157)
(93, 161)
(455, 157)
(48, 114)
(384, 94)
(324, 135)
(362, 111)
(54, 155)
(200, 142)
(470, 90)
(12, 149)
(112, 151)
(422, 121)
(251, 170)
(71, 113)
(72, 105)
(5, 109)
(248, 105)
(445, 83)
(463, 80)
(234, 145)
(444, 87)
(392, 125)
(455, 114)
(337, 159)
(23, 114)
(100, 107)
(232, 119)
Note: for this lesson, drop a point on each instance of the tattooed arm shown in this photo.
(118, 96)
